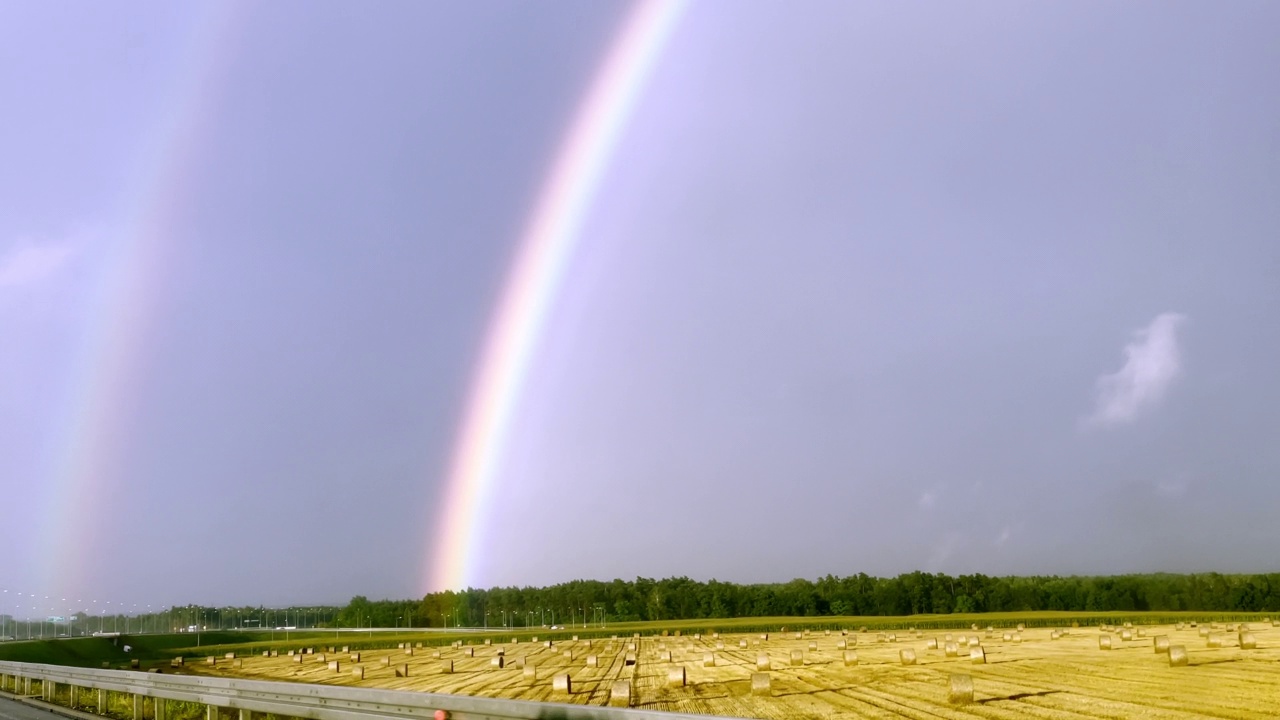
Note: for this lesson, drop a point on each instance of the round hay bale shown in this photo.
(1126, 635)
(893, 637)
(355, 657)
(842, 645)
(742, 644)
(961, 689)
(813, 647)
(435, 654)
(1007, 637)
(948, 637)
(297, 658)
(932, 644)
(977, 655)
(1017, 637)
(489, 641)
(550, 643)
(1160, 643)
(446, 666)
(764, 636)
(266, 653)
(665, 656)
(708, 660)
(797, 657)
(409, 651)
(907, 656)
(1021, 627)
(515, 641)
(850, 657)
(334, 666)
(568, 654)
(761, 684)
(762, 662)
(498, 661)
(975, 642)
(562, 683)
(951, 649)
(358, 673)
(631, 647)
(1204, 631)
(1179, 626)
(676, 677)
(1177, 656)
(320, 657)
(471, 652)
(402, 670)
(1104, 642)
(1214, 640)
(385, 662)
(593, 661)
(629, 659)
(799, 636)
(826, 632)
(620, 693)
(530, 671)
(719, 644)
(1248, 641)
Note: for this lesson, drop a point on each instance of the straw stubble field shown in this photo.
(1040, 673)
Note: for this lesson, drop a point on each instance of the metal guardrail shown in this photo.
(314, 702)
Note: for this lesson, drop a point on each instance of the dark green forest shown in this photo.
(914, 593)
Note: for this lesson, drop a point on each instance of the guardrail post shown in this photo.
(137, 706)
(160, 706)
(102, 702)
(71, 691)
(246, 714)
(211, 712)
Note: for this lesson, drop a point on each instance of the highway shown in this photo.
(14, 710)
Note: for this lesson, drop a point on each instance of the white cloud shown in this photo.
(1151, 363)
(27, 263)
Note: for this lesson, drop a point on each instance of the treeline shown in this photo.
(910, 594)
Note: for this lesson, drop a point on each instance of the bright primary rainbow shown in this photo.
(543, 251)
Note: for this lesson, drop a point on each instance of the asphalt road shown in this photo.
(12, 710)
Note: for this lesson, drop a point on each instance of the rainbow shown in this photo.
(544, 249)
(105, 381)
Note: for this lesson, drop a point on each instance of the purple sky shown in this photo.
(977, 287)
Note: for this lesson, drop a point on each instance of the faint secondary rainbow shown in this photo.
(542, 254)
(104, 384)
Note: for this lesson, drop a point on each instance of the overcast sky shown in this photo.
(963, 287)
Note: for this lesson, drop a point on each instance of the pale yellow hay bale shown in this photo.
(334, 666)
(932, 644)
(708, 660)
(841, 644)
(1204, 631)
(631, 647)
(813, 647)
(719, 644)
(620, 693)
(1177, 656)
(762, 662)
(665, 656)
(907, 656)
(400, 646)
(1214, 640)
(629, 659)
(1017, 637)
(961, 689)
(1126, 635)
(489, 641)
(409, 651)
(764, 636)
(346, 648)
(297, 658)
(562, 683)
(742, 643)
(498, 661)
(435, 654)
(530, 671)
(949, 637)
(402, 670)
(358, 673)
(893, 637)
(230, 656)
(471, 652)
(320, 657)
(237, 663)
(515, 641)
(568, 654)
(535, 638)
(951, 649)
(977, 655)
(975, 642)
(266, 653)
(1248, 641)
(797, 657)
(850, 657)
(385, 662)
(799, 636)
(676, 677)
(1104, 642)
(1160, 644)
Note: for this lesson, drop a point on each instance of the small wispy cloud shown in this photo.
(1152, 362)
(28, 263)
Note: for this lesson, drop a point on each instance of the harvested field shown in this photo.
(1050, 673)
